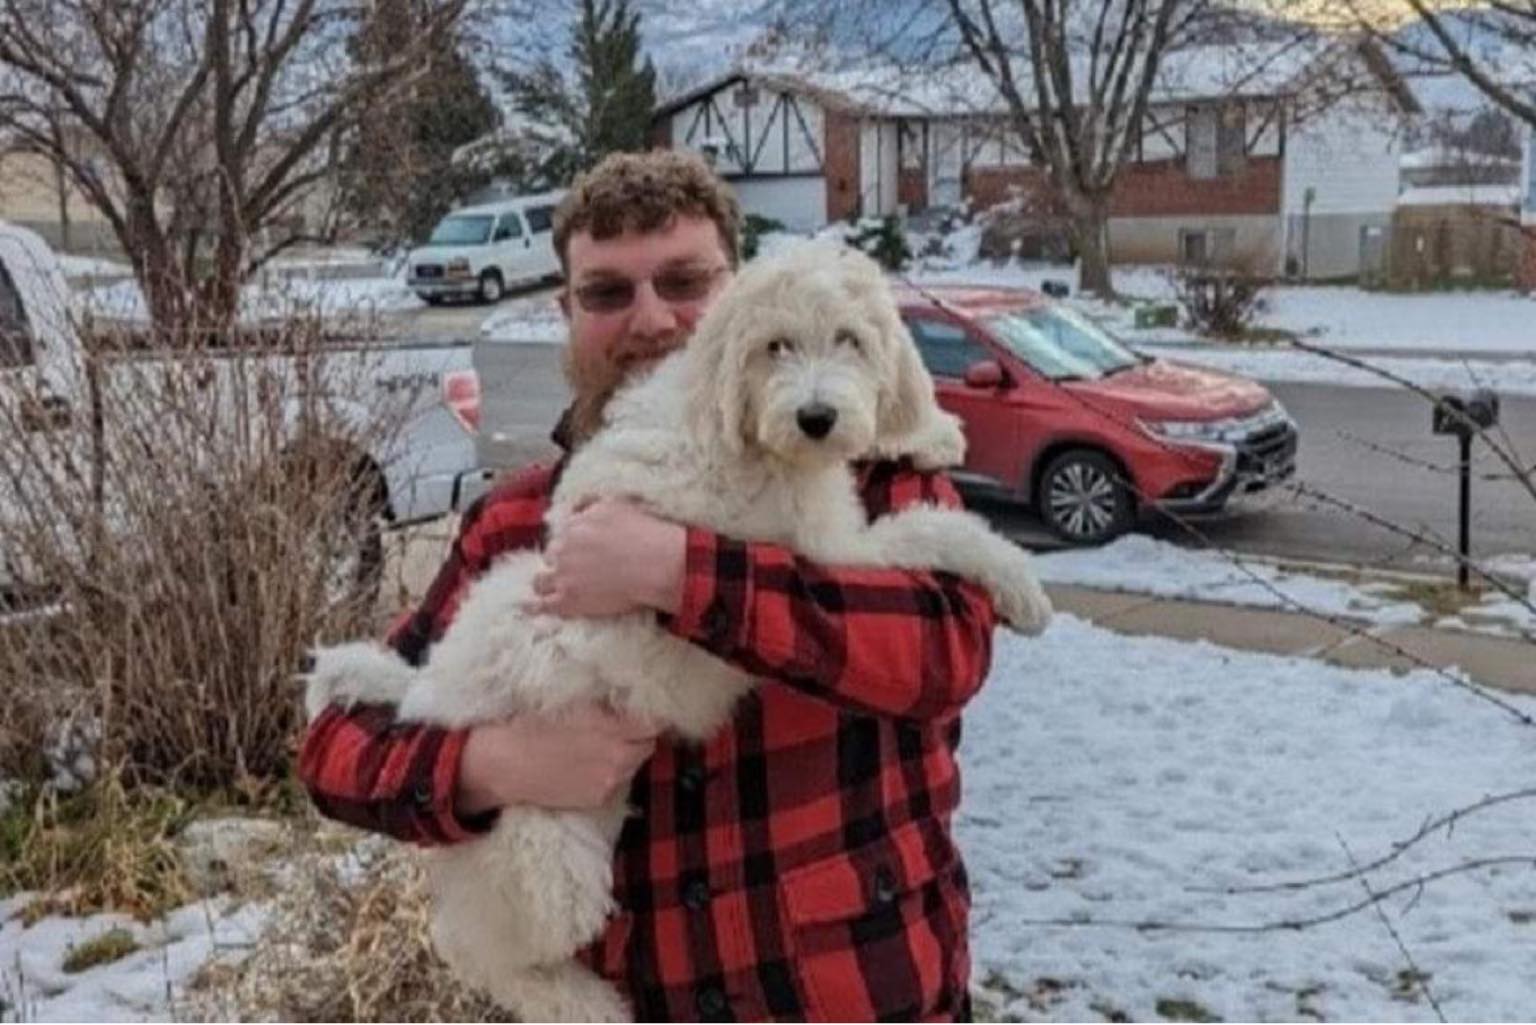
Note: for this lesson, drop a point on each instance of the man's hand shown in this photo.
(610, 558)
(579, 759)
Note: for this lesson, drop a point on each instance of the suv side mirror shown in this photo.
(987, 373)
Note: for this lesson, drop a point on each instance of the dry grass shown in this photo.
(348, 941)
(108, 848)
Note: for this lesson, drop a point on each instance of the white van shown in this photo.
(481, 251)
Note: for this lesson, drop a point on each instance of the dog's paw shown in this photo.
(351, 674)
(1024, 606)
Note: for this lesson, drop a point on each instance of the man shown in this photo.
(800, 864)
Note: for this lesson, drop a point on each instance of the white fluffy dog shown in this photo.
(800, 366)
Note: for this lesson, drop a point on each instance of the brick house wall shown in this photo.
(1160, 189)
(840, 162)
(1525, 275)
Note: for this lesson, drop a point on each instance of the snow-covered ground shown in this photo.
(147, 985)
(1099, 793)
(273, 296)
(1432, 332)
(1143, 565)
(535, 321)
(1509, 377)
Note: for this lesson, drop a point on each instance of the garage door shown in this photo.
(800, 203)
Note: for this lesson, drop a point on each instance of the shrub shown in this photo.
(174, 547)
(885, 240)
(1220, 303)
(753, 229)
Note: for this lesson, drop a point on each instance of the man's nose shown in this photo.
(652, 315)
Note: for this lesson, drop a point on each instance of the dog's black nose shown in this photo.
(816, 420)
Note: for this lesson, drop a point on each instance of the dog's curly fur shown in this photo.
(722, 434)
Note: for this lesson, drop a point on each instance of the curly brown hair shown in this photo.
(643, 192)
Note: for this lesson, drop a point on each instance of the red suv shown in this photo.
(1059, 414)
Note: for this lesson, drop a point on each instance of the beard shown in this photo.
(594, 376)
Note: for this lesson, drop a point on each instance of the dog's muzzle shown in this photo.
(816, 420)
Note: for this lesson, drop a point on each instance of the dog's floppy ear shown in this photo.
(714, 394)
(908, 420)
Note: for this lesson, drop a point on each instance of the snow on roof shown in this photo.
(1460, 195)
(1192, 73)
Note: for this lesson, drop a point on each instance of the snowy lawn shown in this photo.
(1144, 565)
(533, 321)
(1118, 780)
(37, 982)
(274, 296)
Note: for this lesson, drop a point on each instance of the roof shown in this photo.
(1460, 195)
(1249, 70)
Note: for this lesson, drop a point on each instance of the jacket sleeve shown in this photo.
(363, 767)
(892, 642)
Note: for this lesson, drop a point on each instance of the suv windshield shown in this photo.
(461, 231)
(1061, 344)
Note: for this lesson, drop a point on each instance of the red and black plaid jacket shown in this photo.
(799, 865)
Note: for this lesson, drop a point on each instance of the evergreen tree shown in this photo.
(401, 176)
(601, 105)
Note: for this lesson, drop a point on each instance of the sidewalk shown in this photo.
(413, 555)
(1505, 663)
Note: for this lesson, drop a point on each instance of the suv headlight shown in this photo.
(1189, 430)
(459, 263)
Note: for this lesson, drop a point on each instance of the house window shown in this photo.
(1215, 139)
(1206, 247)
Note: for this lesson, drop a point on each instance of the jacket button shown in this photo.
(691, 779)
(885, 885)
(696, 895)
(717, 621)
(423, 794)
(711, 1002)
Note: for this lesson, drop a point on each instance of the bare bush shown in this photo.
(1220, 303)
(175, 538)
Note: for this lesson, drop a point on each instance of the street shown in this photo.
(1368, 447)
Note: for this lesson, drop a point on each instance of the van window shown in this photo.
(948, 350)
(510, 226)
(540, 218)
(15, 333)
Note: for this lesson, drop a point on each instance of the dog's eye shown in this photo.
(848, 338)
(780, 346)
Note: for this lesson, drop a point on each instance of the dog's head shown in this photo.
(804, 356)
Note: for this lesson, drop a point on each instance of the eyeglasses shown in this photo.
(674, 285)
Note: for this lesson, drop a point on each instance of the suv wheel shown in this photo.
(1083, 499)
(491, 289)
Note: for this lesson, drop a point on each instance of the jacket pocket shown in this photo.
(878, 933)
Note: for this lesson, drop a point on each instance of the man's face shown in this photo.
(632, 299)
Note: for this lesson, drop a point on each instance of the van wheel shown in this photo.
(491, 288)
(1083, 498)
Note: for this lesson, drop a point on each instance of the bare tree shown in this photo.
(1490, 45)
(203, 123)
(1076, 84)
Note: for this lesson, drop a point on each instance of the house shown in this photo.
(1236, 162)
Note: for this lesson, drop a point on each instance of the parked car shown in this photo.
(481, 251)
(425, 469)
(1060, 415)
